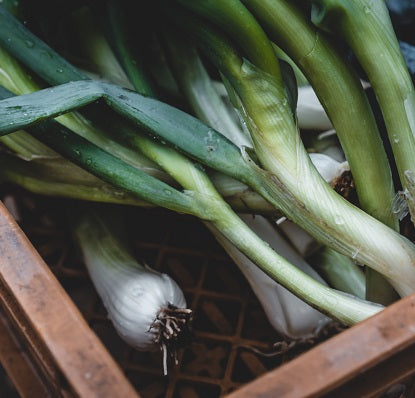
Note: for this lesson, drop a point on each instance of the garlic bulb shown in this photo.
(147, 308)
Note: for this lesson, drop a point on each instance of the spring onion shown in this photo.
(367, 28)
(207, 146)
(147, 308)
(202, 200)
(291, 167)
(326, 71)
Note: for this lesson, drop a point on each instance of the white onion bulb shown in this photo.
(147, 308)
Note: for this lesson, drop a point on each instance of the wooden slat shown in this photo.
(18, 365)
(57, 333)
(384, 375)
(344, 357)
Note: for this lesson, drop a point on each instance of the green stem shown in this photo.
(235, 19)
(117, 32)
(236, 231)
(367, 28)
(60, 178)
(16, 79)
(339, 271)
(342, 96)
(198, 89)
(340, 92)
(279, 148)
(361, 236)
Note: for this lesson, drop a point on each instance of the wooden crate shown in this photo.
(51, 317)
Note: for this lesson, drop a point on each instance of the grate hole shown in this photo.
(217, 316)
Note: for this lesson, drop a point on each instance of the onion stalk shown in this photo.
(197, 86)
(202, 200)
(339, 271)
(286, 313)
(22, 111)
(333, 82)
(287, 320)
(283, 155)
(367, 28)
(331, 79)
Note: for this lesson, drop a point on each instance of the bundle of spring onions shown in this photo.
(215, 108)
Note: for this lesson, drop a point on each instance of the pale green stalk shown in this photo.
(341, 94)
(339, 271)
(343, 308)
(176, 127)
(313, 205)
(96, 49)
(235, 19)
(198, 89)
(366, 26)
(17, 80)
(60, 178)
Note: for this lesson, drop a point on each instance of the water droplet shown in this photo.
(59, 70)
(167, 191)
(77, 153)
(395, 138)
(9, 40)
(88, 161)
(367, 10)
(211, 148)
(29, 43)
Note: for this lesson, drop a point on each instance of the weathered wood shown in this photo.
(344, 357)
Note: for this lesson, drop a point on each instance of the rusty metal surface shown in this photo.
(344, 357)
(58, 337)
